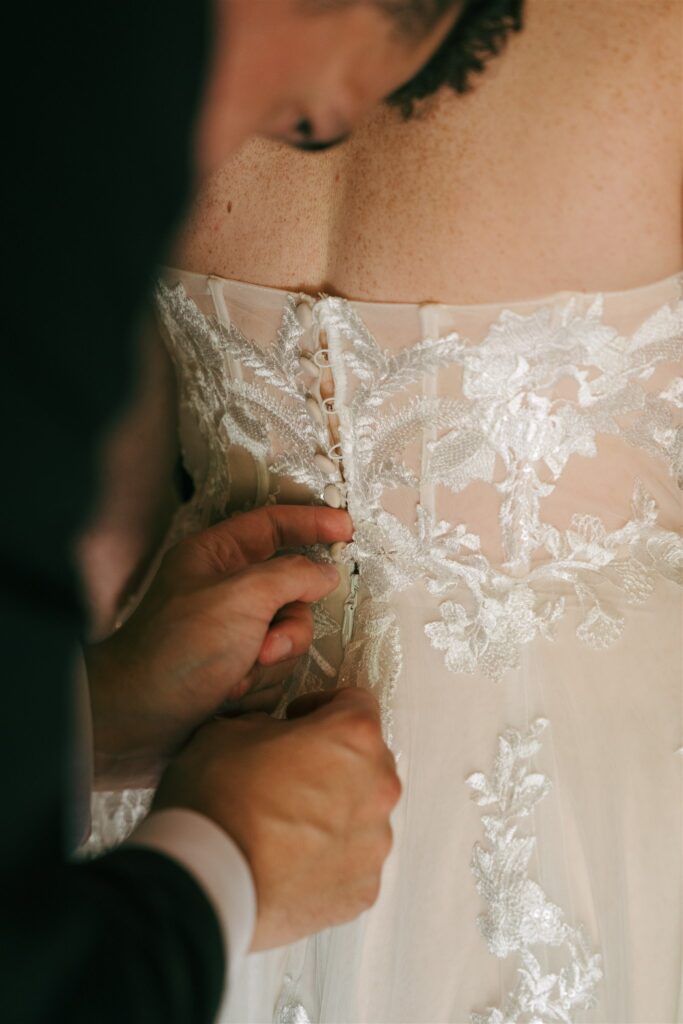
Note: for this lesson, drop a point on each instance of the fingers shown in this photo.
(268, 587)
(264, 699)
(258, 678)
(356, 715)
(262, 677)
(290, 635)
(309, 702)
(255, 536)
(353, 700)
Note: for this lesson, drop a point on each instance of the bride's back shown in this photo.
(514, 477)
(561, 169)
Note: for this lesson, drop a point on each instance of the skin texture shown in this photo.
(219, 606)
(561, 169)
(315, 847)
(309, 800)
(268, 73)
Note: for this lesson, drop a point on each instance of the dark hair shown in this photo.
(479, 33)
(410, 16)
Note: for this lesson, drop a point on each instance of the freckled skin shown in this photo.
(562, 169)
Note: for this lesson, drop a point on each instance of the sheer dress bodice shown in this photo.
(513, 597)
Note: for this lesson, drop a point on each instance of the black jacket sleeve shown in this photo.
(98, 119)
(127, 937)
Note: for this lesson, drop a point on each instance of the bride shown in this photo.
(466, 325)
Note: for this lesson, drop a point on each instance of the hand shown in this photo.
(218, 608)
(308, 802)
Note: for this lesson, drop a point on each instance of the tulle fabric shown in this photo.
(608, 833)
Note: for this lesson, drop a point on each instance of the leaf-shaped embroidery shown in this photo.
(410, 364)
(364, 358)
(599, 629)
(395, 431)
(382, 374)
(299, 469)
(519, 916)
(374, 658)
(248, 354)
(243, 426)
(290, 423)
(666, 552)
(674, 393)
(459, 457)
(633, 578)
(510, 418)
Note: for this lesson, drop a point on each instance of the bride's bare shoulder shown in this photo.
(563, 105)
(258, 195)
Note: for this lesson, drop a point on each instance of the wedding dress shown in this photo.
(512, 596)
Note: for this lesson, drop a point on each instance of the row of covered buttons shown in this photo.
(312, 361)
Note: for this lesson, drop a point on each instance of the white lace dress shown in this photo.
(512, 596)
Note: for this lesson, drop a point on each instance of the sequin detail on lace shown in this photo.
(519, 915)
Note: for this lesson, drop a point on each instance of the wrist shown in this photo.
(123, 756)
(125, 771)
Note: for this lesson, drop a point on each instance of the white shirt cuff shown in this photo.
(216, 863)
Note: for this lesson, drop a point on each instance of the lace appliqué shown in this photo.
(510, 424)
(511, 429)
(374, 658)
(505, 613)
(249, 413)
(519, 915)
(114, 816)
(289, 1010)
(293, 1013)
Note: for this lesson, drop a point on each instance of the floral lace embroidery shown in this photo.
(508, 612)
(509, 418)
(293, 1013)
(374, 657)
(233, 411)
(114, 816)
(519, 915)
(289, 1009)
(509, 422)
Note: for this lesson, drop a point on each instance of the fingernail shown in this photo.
(329, 571)
(337, 550)
(280, 646)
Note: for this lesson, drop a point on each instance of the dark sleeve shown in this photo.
(129, 937)
(98, 118)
